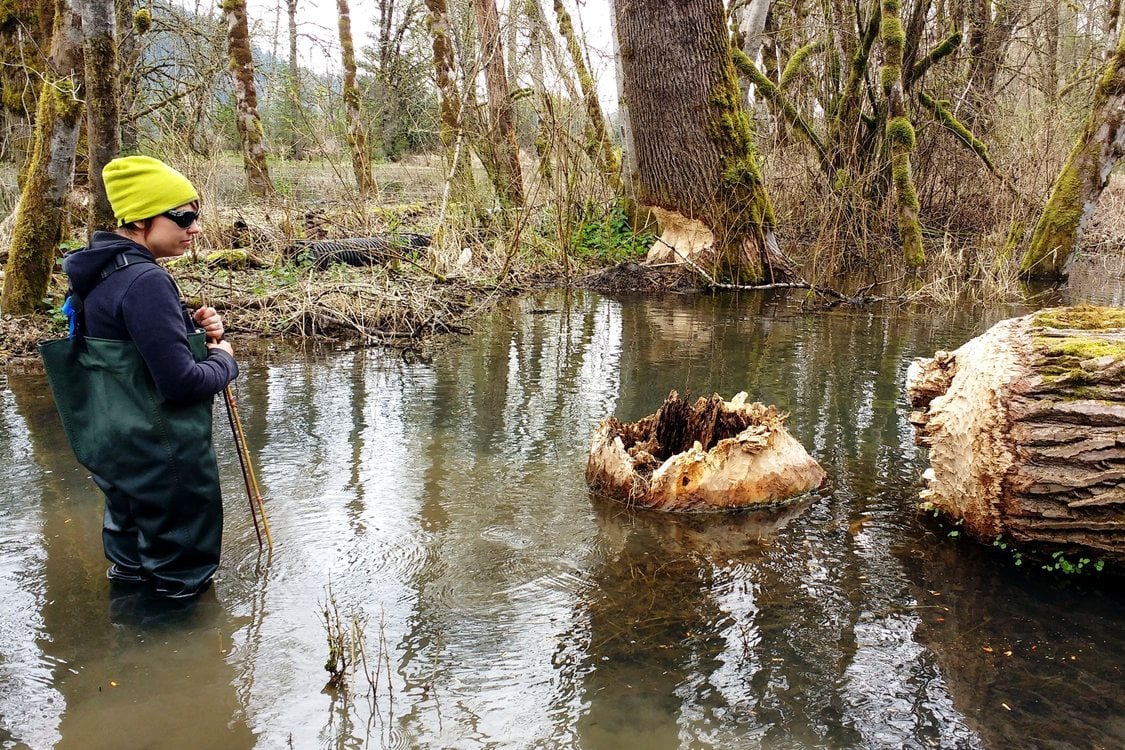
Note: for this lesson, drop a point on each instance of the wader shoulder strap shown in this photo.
(75, 308)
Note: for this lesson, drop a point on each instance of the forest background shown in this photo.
(385, 178)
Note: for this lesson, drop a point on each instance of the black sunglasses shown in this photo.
(183, 219)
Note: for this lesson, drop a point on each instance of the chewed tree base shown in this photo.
(1024, 427)
(713, 455)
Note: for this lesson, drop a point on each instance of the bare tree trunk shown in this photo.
(844, 128)
(599, 146)
(640, 216)
(357, 128)
(1025, 437)
(392, 31)
(1085, 174)
(296, 138)
(39, 217)
(511, 31)
(537, 70)
(1109, 25)
(502, 125)
(695, 154)
(99, 27)
(751, 27)
(914, 17)
(990, 31)
(132, 25)
(1049, 51)
(246, 99)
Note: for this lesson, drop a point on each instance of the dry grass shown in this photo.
(403, 302)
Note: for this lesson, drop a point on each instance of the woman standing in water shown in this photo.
(154, 368)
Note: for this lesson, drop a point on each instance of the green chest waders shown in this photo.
(153, 460)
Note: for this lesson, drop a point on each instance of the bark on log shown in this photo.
(1026, 430)
(711, 456)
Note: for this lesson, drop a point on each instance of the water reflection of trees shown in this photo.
(1036, 655)
(491, 599)
(665, 617)
(817, 642)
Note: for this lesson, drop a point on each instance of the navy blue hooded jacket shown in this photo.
(139, 302)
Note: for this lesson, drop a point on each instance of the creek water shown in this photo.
(440, 510)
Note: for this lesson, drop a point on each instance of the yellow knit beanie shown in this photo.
(140, 187)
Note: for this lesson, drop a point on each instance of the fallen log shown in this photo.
(1026, 430)
(709, 456)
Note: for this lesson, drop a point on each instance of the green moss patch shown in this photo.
(1081, 318)
(1062, 358)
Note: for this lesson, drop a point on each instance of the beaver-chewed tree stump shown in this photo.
(708, 456)
(1026, 430)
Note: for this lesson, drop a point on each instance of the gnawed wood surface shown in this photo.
(707, 456)
(1026, 430)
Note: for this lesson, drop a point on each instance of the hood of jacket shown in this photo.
(84, 268)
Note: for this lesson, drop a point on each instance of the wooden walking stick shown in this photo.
(253, 492)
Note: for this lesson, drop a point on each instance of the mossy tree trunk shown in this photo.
(39, 217)
(247, 120)
(25, 35)
(900, 133)
(695, 153)
(99, 26)
(848, 124)
(1024, 428)
(501, 133)
(598, 145)
(356, 127)
(1085, 174)
(547, 142)
(450, 107)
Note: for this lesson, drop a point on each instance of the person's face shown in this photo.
(164, 238)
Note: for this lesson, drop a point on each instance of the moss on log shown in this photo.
(1026, 430)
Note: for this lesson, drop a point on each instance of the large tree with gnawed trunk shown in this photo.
(696, 160)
